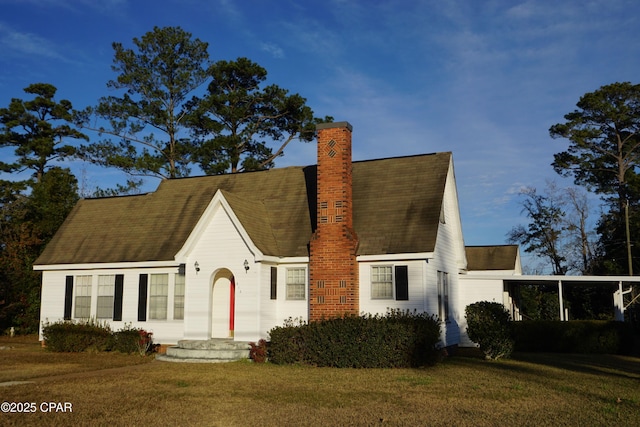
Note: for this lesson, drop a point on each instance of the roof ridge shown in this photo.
(275, 169)
(118, 196)
(229, 174)
(405, 156)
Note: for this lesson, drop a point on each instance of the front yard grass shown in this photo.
(116, 389)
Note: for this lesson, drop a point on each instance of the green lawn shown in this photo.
(115, 389)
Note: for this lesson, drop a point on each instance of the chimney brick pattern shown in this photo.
(333, 270)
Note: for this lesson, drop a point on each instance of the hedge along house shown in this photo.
(236, 255)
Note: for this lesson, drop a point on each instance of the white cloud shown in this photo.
(230, 9)
(17, 43)
(75, 5)
(272, 49)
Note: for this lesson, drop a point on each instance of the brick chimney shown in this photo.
(333, 270)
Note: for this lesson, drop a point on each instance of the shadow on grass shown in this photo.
(596, 364)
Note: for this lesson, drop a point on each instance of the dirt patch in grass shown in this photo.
(531, 390)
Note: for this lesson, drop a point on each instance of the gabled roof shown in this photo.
(396, 210)
(485, 258)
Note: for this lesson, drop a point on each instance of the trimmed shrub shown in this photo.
(126, 341)
(68, 336)
(399, 339)
(488, 325)
(132, 340)
(90, 335)
(576, 336)
(286, 345)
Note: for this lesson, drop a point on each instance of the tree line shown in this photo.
(174, 112)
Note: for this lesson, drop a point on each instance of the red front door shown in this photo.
(232, 305)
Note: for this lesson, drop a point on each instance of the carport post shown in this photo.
(618, 303)
(560, 300)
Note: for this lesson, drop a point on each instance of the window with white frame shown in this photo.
(106, 287)
(178, 298)
(158, 296)
(381, 282)
(296, 283)
(443, 295)
(83, 297)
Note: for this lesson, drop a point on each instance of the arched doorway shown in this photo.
(223, 304)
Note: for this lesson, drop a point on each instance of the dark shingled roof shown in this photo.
(396, 210)
(481, 258)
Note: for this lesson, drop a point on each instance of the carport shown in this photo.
(622, 296)
(623, 290)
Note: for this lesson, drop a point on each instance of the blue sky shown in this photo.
(483, 79)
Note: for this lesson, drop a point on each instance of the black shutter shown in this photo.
(68, 297)
(402, 283)
(274, 283)
(142, 298)
(117, 299)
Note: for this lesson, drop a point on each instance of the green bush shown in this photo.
(132, 340)
(68, 336)
(399, 339)
(576, 336)
(126, 341)
(488, 325)
(286, 344)
(90, 335)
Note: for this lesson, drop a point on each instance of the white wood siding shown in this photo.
(221, 251)
(268, 312)
(416, 271)
(52, 297)
(53, 294)
(448, 257)
(275, 312)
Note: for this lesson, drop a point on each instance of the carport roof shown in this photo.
(546, 279)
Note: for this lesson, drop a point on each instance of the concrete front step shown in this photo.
(214, 344)
(212, 351)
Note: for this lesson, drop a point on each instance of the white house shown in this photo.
(236, 255)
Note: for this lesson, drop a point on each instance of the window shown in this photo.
(296, 283)
(443, 295)
(381, 282)
(83, 297)
(178, 298)
(158, 295)
(106, 287)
